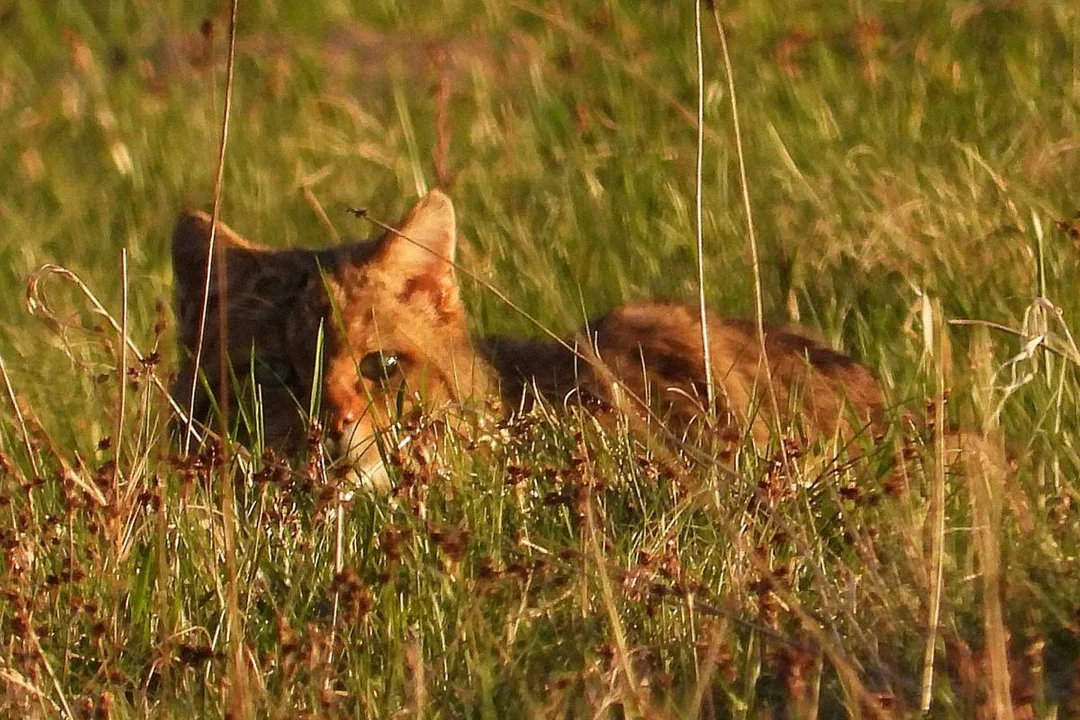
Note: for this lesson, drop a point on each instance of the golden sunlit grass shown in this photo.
(912, 171)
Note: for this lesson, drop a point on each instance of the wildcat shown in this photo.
(394, 339)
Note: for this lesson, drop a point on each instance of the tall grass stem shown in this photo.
(710, 391)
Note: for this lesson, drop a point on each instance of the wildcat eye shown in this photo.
(379, 366)
(273, 372)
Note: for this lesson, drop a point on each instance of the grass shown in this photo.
(907, 162)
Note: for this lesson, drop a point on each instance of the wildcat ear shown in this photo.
(425, 242)
(191, 243)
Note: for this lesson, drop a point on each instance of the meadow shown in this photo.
(913, 174)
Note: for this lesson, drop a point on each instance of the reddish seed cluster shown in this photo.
(274, 470)
(195, 655)
(452, 541)
(303, 658)
(99, 708)
(356, 600)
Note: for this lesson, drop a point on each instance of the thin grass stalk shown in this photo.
(1040, 268)
(163, 594)
(751, 234)
(61, 697)
(622, 648)
(238, 700)
(118, 443)
(213, 255)
(936, 347)
(986, 501)
(320, 212)
(710, 392)
(27, 445)
(694, 708)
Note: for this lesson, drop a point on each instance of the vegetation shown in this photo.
(909, 164)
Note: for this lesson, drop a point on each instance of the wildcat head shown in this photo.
(363, 333)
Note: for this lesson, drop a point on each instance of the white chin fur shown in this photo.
(374, 478)
(364, 474)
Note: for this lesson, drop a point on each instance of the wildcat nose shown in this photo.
(338, 422)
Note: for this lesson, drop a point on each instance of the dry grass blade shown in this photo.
(622, 648)
(27, 445)
(51, 673)
(845, 668)
(37, 305)
(320, 212)
(214, 256)
(985, 484)
(238, 695)
(17, 680)
(935, 344)
(710, 391)
(122, 410)
(751, 234)
(706, 673)
(1064, 347)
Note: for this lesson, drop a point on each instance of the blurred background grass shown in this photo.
(895, 150)
(892, 149)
